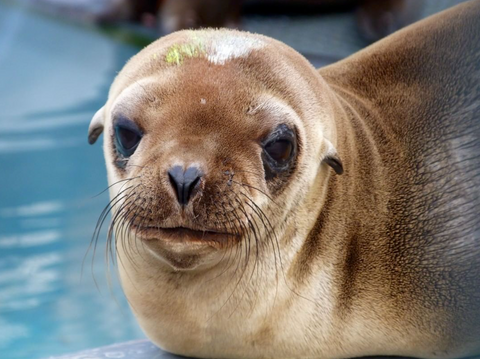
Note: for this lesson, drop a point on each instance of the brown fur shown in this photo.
(382, 260)
(416, 99)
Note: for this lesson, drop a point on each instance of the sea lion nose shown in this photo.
(184, 182)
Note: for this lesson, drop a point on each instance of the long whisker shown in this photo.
(271, 237)
(113, 184)
(230, 229)
(244, 230)
(96, 233)
(255, 188)
(254, 230)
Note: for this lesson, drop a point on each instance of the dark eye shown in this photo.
(279, 150)
(127, 138)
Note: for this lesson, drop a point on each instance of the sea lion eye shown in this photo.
(278, 151)
(127, 137)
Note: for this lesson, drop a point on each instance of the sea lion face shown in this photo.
(209, 144)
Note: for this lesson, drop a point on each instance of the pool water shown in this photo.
(53, 77)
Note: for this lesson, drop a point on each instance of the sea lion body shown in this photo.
(418, 104)
(381, 260)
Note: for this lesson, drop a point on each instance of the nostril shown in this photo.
(190, 187)
(175, 175)
(176, 186)
(184, 182)
(191, 179)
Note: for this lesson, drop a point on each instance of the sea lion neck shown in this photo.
(358, 193)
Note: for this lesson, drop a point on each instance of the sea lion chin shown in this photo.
(264, 209)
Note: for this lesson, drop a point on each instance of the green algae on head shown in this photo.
(217, 47)
(177, 53)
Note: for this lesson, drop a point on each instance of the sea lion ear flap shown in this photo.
(96, 127)
(333, 160)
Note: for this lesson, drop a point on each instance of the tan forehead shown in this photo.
(262, 57)
(172, 54)
(196, 104)
(197, 82)
(224, 71)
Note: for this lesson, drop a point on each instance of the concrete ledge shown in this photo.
(137, 349)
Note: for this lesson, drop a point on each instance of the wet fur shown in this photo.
(382, 260)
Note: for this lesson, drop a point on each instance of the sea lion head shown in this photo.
(213, 139)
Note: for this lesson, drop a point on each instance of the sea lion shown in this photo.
(265, 209)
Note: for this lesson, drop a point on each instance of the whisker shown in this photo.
(113, 184)
(96, 233)
(270, 235)
(243, 271)
(255, 188)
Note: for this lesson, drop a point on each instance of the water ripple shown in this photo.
(32, 144)
(29, 239)
(34, 209)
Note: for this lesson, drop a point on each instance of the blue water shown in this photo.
(53, 77)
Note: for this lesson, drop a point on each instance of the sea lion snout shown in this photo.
(184, 182)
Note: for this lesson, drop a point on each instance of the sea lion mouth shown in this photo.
(184, 234)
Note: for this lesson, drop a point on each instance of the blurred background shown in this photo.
(57, 61)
